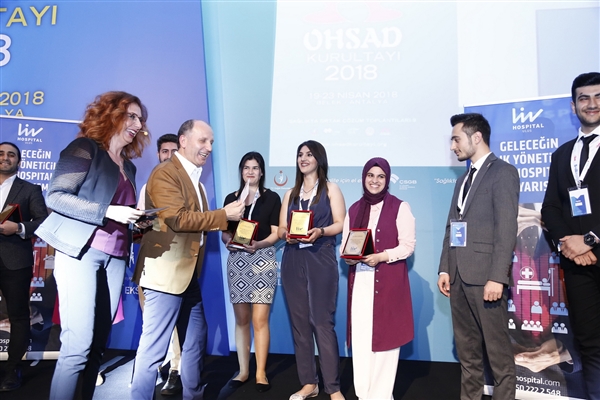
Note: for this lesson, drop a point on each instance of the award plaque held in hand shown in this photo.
(244, 234)
(359, 244)
(9, 211)
(300, 223)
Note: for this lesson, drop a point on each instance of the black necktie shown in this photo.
(585, 151)
(468, 183)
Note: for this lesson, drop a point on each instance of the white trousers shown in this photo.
(374, 372)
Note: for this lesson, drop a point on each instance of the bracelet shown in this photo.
(322, 231)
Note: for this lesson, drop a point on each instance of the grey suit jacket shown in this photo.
(491, 214)
(17, 253)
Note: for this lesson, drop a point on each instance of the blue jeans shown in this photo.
(162, 312)
(88, 295)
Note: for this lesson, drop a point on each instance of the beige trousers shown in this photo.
(374, 372)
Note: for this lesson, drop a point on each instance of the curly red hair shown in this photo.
(105, 117)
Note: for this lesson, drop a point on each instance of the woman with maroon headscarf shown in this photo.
(380, 318)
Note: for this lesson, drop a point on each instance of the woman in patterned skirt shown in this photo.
(252, 269)
(309, 271)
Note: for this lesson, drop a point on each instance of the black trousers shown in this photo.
(15, 284)
(583, 294)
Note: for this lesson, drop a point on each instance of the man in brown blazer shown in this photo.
(171, 254)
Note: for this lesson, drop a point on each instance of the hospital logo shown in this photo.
(280, 179)
(525, 121)
(523, 117)
(26, 134)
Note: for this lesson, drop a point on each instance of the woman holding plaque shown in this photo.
(93, 196)
(312, 214)
(252, 267)
(380, 316)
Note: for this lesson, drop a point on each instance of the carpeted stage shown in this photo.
(416, 380)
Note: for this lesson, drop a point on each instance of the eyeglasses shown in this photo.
(134, 116)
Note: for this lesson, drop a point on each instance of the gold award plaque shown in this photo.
(245, 232)
(300, 223)
(355, 243)
(8, 211)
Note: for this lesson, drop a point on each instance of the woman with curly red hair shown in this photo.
(93, 196)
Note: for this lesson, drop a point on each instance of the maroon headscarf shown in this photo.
(368, 199)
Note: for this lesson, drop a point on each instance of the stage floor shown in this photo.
(415, 380)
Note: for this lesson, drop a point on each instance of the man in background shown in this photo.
(16, 256)
(571, 213)
(166, 146)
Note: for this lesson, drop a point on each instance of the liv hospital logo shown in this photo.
(524, 120)
(28, 134)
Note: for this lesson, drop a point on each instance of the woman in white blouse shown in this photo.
(380, 318)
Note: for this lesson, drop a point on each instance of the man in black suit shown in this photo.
(571, 213)
(16, 256)
(475, 266)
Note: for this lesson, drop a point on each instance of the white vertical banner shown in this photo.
(346, 75)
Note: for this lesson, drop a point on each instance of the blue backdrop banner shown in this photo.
(525, 134)
(56, 57)
(37, 140)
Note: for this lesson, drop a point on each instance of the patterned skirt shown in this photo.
(252, 277)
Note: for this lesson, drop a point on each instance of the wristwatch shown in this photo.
(590, 239)
(19, 229)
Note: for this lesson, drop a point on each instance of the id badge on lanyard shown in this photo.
(579, 198)
(458, 233)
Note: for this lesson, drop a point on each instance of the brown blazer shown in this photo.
(170, 253)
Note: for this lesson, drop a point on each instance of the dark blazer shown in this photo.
(85, 181)
(556, 209)
(491, 214)
(17, 253)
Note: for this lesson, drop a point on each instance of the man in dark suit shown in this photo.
(171, 255)
(575, 229)
(16, 256)
(475, 265)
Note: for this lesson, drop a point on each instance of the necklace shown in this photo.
(117, 159)
(308, 190)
